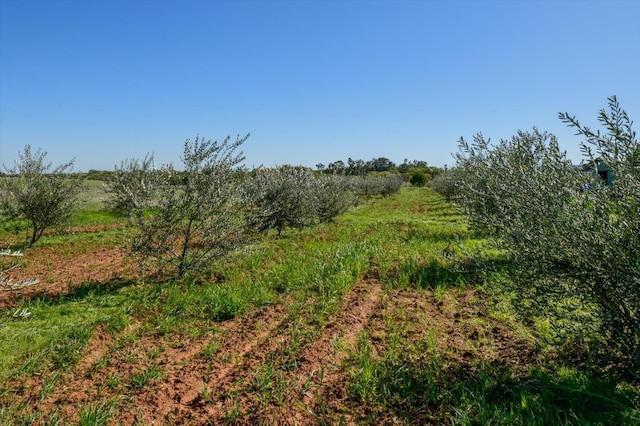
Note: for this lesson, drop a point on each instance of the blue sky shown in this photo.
(312, 81)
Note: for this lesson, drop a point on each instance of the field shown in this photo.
(368, 320)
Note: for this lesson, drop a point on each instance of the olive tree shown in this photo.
(36, 191)
(446, 183)
(574, 240)
(198, 220)
(332, 196)
(280, 197)
(295, 197)
(131, 186)
(385, 185)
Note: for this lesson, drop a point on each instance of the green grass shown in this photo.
(409, 243)
(57, 329)
(416, 382)
(141, 379)
(415, 387)
(97, 413)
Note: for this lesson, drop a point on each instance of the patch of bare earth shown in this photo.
(60, 268)
(189, 371)
(320, 377)
(208, 379)
(291, 376)
(200, 376)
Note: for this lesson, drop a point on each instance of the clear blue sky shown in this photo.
(312, 81)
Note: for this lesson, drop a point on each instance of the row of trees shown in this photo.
(575, 239)
(378, 165)
(407, 170)
(185, 219)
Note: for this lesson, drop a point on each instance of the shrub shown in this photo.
(43, 195)
(199, 220)
(280, 197)
(446, 183)
(332, 196)
(384, 185)
(131, 186)
(418, 178)
(391, 184)
(572, 246)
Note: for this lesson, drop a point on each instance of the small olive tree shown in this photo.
(332, 196)
(43, 195)
(279, 198)
(199, 219)
(446, 183)
(574, 240)
(385, 185)
(132, 185)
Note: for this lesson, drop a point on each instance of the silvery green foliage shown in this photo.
(6, 283)
(280, 197)
(43, 195)
(198, 220)
(368, 186)
(575, 241)
(391, 185)
(384, 185)
(131, 186)
(446, 183)
(332, 196)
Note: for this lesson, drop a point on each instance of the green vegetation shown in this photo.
(294, 197)
(280, 197)
(575, 239)
(191, 224)
(332, 197)
(131, 186)
(377, 317)
(372, 185)
(381, 304)
(418, 178)
(38, 194)
(363, 168)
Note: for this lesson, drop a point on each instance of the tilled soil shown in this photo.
(62, 267)
(266, 366)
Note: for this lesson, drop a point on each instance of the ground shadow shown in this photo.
(79, 292)
(423, 393)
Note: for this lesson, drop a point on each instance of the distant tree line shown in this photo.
(416, 172)
(381, 164)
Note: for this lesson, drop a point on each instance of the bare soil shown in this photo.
(265, 366)
(63, 267)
